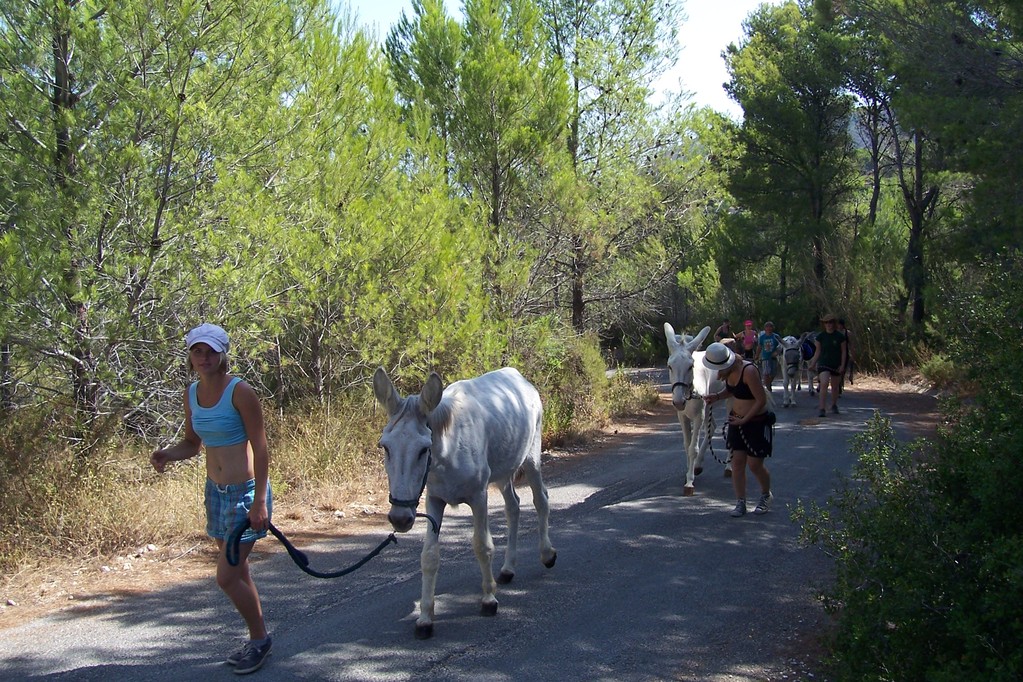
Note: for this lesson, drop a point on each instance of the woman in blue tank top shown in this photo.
(223, 416)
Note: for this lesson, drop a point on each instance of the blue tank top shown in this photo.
(218, 425)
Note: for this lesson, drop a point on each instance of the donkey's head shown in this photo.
(792, 353)
(680, 363)
(407, 441)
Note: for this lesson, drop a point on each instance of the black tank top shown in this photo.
(741, 390)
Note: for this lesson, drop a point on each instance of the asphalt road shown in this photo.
(649, 585)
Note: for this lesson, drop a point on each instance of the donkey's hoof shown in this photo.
(688, 490)
(728, 472)
(697, 471)
(549, 563)
(424, 630)
(488, 608)
(504, 577)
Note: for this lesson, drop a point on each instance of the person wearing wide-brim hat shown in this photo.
(223, 415)
(748, 435)
(829, 362)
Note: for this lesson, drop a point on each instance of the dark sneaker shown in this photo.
(822, 413)
(764, 504)
(253, 657)
(834, 409)
(740, 509)
(235, 657)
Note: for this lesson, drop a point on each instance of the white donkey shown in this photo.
(690, 381)
(453, 443)
(792, 355)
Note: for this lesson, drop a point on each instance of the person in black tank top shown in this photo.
(748, 434)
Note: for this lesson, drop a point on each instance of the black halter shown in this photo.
(689, 389)
(799, 356)
(413, 504)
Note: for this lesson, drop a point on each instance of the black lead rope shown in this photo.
(709, 421)
(297, 555)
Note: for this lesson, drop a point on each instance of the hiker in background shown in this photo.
(747, 340)
(829, 362)
(770, 348)
(724, 332)
(223, 414)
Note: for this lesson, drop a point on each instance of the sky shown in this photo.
(710, 27)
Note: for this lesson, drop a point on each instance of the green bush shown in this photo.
(626, 396)
(929, 584)
(571, 375)
(940, 371)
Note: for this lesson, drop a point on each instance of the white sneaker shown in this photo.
(740, 509)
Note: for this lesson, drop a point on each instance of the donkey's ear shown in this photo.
(669, 335)
(432, 392)
(698, 339)
(384, 391)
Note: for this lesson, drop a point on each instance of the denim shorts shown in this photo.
(227, 506)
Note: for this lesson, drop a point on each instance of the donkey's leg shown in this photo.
(430, 563)
(511, 515)
(689, 446)
(541, 501)
(702, 445)
(483, 546)
(699, 436)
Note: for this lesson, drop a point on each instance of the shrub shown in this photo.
(928, 578)
(940, 371)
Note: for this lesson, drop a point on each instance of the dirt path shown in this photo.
(90, 584)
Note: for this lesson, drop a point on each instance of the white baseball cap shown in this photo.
(210, 334)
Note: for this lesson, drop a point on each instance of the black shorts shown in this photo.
(754, 438)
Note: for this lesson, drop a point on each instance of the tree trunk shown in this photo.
(63, 100)
(6, 378)
(919, 206)
(578, 272)
(783, 276)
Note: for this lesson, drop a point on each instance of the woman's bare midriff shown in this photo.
(229, 464)
(741, 407)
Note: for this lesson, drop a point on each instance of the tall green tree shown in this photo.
(958, 70)
(900, 152)
(612, 51)
(509, 121)
(796, 167)
(424, 52)
(127, 222)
